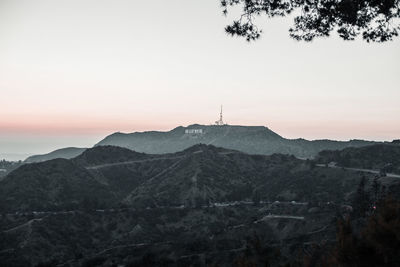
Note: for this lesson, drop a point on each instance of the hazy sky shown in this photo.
(73, 71)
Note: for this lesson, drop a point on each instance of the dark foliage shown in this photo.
(374, 241)
(74, 212)
(256, 253)
(378, 244)
(384, 157)
(373, 20)
(8, 166)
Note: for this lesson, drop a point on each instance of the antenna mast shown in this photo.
(220, 122)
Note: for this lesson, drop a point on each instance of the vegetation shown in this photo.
(376, 21)
(369, 236)
(8, 166)
(376, 242)
(198, 176)
(385, 157)
(57, 184)
(204, 205)
(107, 154)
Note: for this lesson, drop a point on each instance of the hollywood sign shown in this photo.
(193, 131)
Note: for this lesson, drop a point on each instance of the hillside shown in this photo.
(8, 166)
(248, 139)
(64, 153)
(199, 175)
(209, 174)
(51, 185)
(205, 204)
(107, 154)
(384, 157)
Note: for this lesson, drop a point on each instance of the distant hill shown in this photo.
(13, 156)
(378, 157)
(8, 166)
(64, 153)
(248, 139)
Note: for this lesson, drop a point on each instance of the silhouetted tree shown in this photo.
(374, 20)
(257, 253)
(378, 243)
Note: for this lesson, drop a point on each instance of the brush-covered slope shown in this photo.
(300, 202)
(64, 153)
(199, 175)
(50, 185)
(248, 139)
(70, 184)
(381, 156)
(121, 169)
(108, 154)
(206, 174)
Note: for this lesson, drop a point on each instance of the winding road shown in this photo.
(129, 162)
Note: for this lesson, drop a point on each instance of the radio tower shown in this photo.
(220, 122)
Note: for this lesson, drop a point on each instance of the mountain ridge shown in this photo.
(248, 139)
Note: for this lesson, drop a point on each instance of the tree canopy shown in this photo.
(373, 20)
